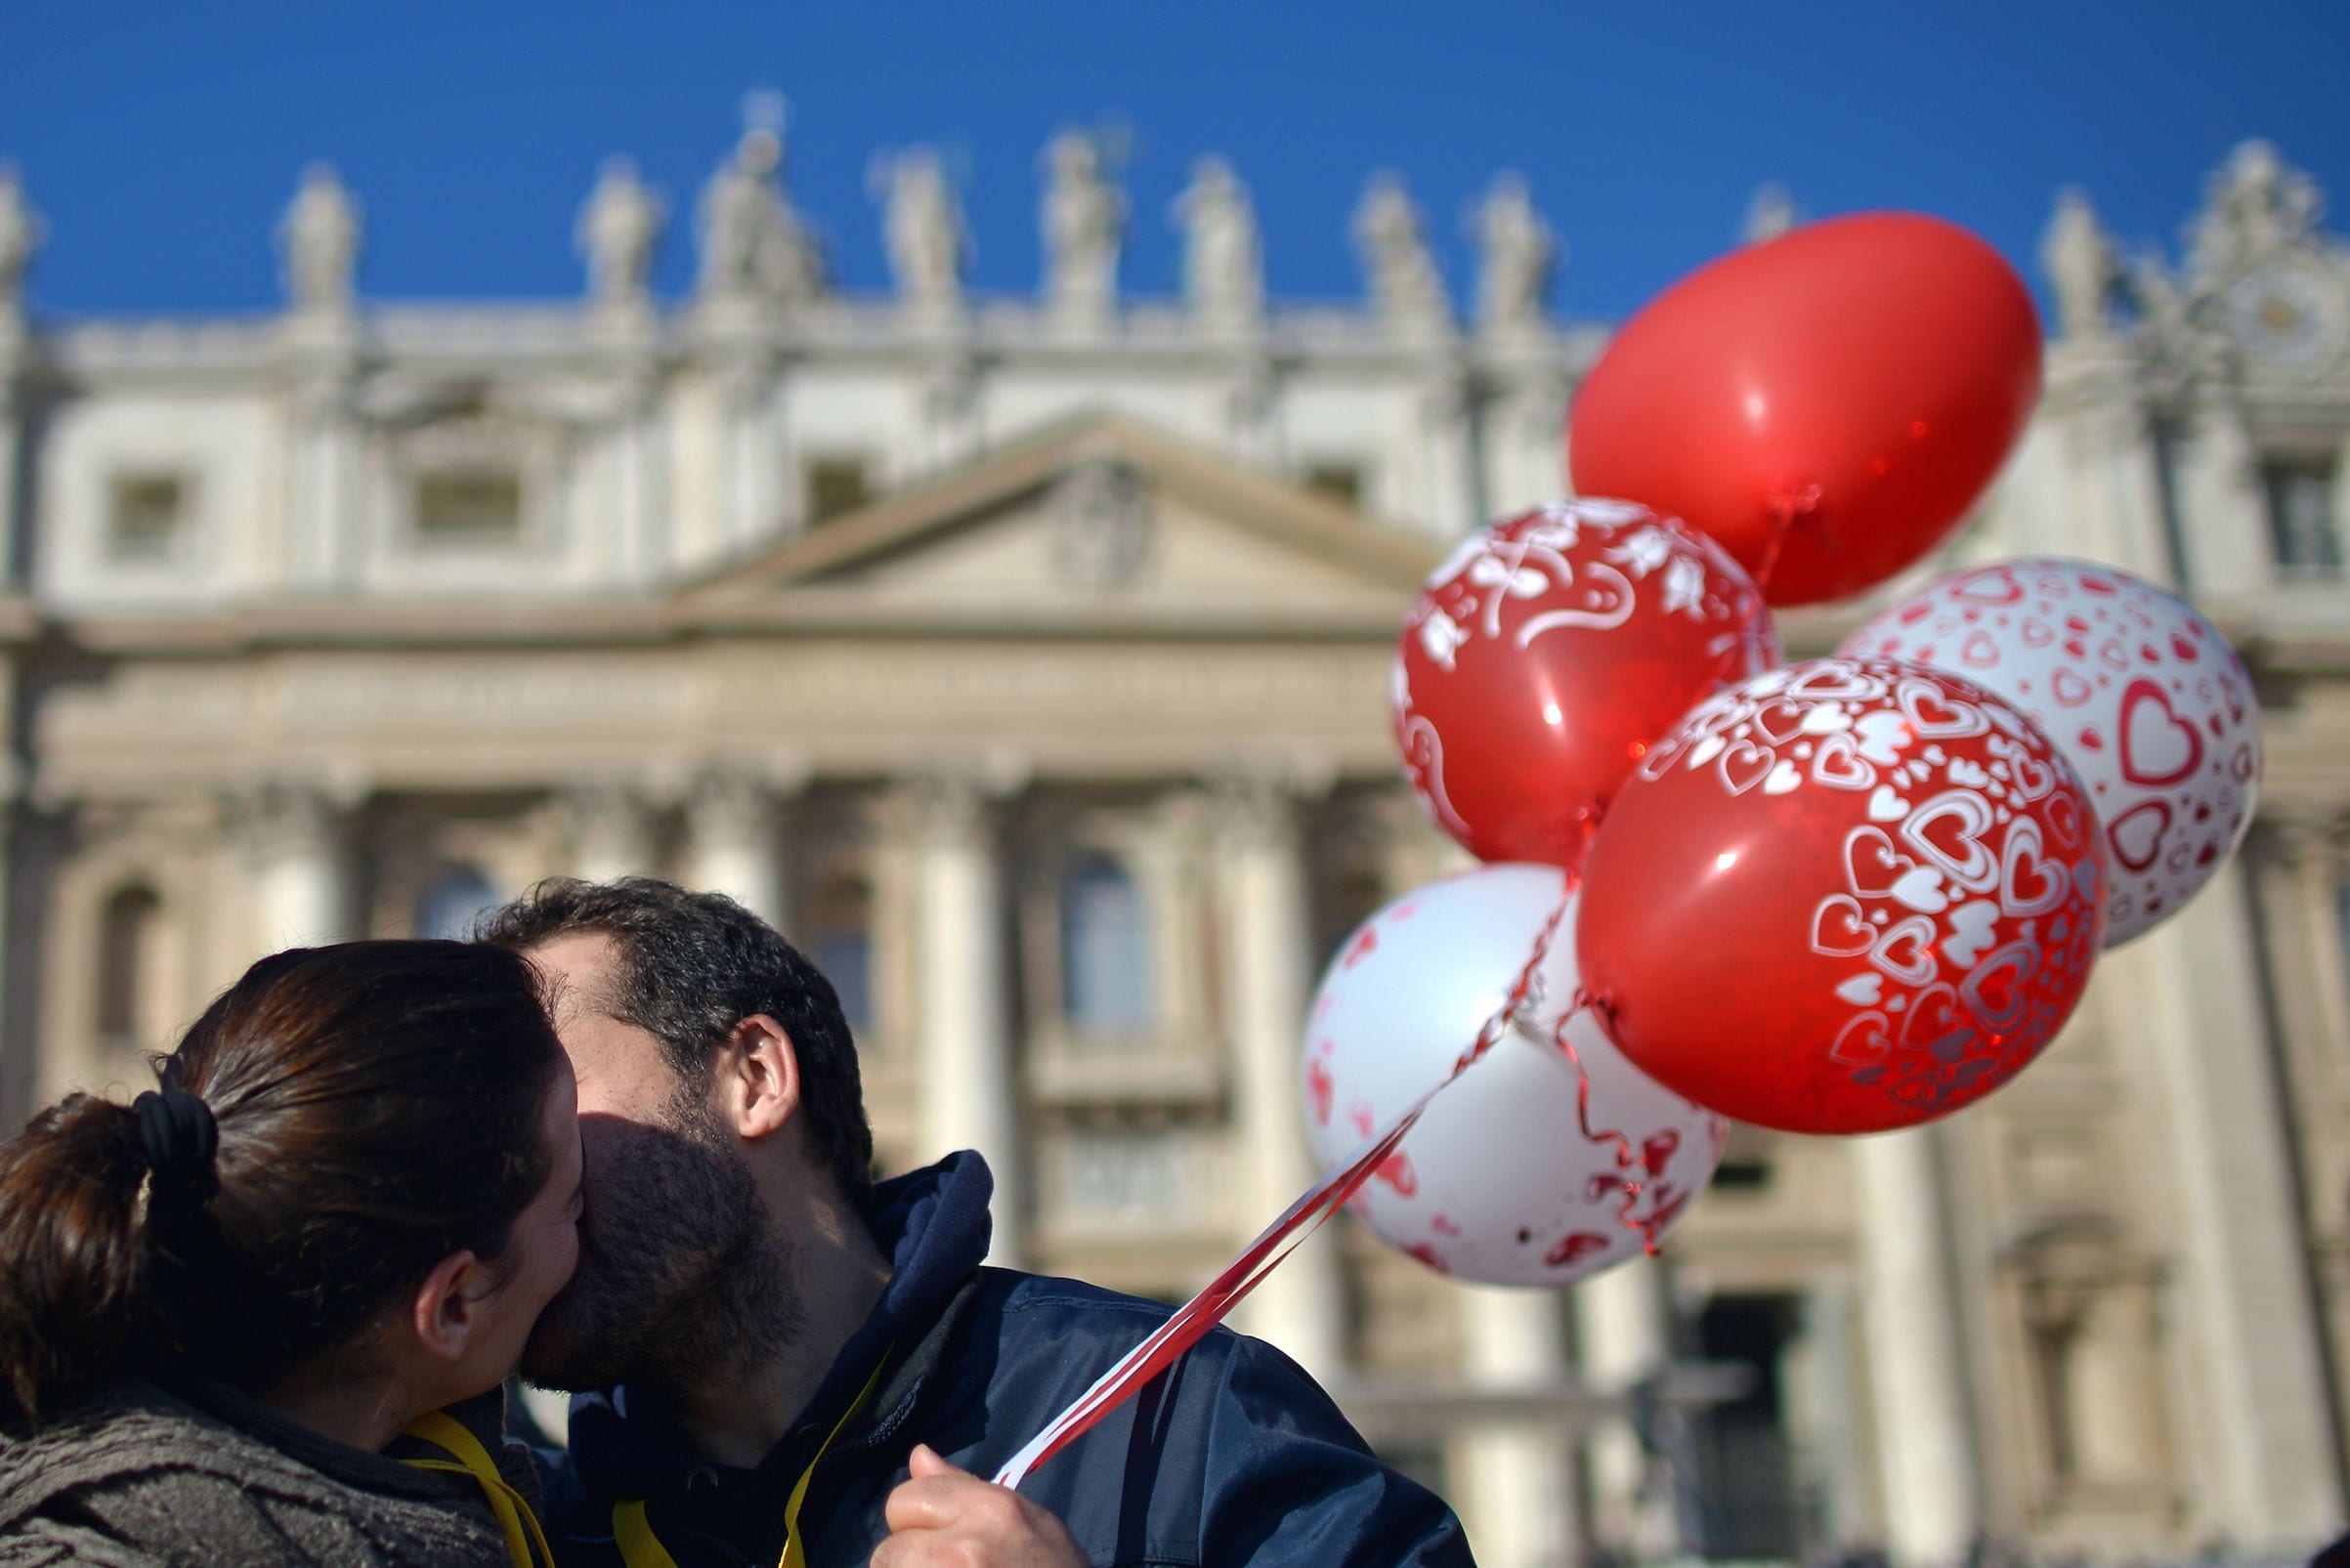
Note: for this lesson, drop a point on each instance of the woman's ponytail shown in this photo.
(72, 1192)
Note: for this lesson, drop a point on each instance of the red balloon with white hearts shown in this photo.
(1552, 1157)
(1848, 897)
(2141, 694)
(1549, 653)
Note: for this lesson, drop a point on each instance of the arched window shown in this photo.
(837, 935)
(451, 901)
(1105, 949)
(126, 952)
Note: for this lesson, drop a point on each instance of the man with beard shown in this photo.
(767, 1345)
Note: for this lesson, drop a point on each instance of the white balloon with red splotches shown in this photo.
(2140, 692)
(1529, 1170)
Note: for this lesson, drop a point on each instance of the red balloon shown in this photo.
(1829, 405)
(1549, 653)
(1848, 896)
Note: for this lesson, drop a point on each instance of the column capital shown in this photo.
(957, 796)
(606, 818)
(744, 787)
(1261, 797)
(284, 815)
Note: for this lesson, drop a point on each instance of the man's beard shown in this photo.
(682, 1278)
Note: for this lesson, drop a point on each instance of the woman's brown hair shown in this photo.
(367, 1110)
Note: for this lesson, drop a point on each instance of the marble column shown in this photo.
(949, 411)
(324, 549)
(2220, 490)
(1265, 930)
(737, 823)
(14, 546)
(639, 546)
(1823, 1408)
(1929, 1479)
(1252, 409)
(2190, 996)
(1453, 501)
(1620, 1329)
(747, 390)
(299, 855)
(1514, 1480)
(610, 826)
(969, 1085)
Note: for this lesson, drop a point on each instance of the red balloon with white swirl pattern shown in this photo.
(1847, 897)
(1549, 653)
(2142, 695)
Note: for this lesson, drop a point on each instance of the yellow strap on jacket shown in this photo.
(513, 1510)
(641, 1549)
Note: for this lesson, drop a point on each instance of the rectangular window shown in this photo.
(2303, 524)
(469, 510)
(1341, 482)
(835, 486)
(147, 519)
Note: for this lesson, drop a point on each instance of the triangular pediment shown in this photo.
(1099, 522)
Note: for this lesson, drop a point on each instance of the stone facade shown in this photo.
(1025, 657)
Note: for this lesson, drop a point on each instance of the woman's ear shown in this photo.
(446, 1307)
(759, 1077)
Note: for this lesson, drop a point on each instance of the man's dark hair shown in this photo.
(693, 966)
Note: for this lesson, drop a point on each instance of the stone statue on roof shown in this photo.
(618, 229)
(1520, 253)
(21, 234)
(1085, 227)
(753, 244)
(1407, 292)
(1223, 264)
(2081, 267)
(320, 238)
(924, 227)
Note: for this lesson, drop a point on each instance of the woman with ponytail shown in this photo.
(263, 1313)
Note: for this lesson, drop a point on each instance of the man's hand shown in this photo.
(950, 1518)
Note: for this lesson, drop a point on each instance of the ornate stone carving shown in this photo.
(1084, 229)
(2256, 208)
(2263, 289)
(618, 230)
(958, 800)
(21, 234)
(1224, 267)
(928, 244)
(320, 238)
(1104, 527)
(755, 249)
(2078, 258)
(1519, 254)
(1408, 293)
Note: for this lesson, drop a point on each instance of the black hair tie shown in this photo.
(179, 1137)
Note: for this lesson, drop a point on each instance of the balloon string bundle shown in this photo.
(1192, 1321)
(1628, 1154)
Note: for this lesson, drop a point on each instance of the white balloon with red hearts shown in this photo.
(1549, 1159)
(2143, 696)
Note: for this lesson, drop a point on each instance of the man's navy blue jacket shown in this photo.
(1233, 1455)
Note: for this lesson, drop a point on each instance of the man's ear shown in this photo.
(447, 1305)
(756, 1085)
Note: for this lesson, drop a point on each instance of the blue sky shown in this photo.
(162, 140)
